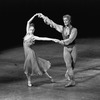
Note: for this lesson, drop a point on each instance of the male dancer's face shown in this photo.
(66, 21)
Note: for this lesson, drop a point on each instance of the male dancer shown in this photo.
(69, 34)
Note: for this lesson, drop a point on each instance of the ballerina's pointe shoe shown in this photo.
(29, 84)
(52, 80)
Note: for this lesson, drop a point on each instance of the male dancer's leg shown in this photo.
(74, 56)
(68, 62)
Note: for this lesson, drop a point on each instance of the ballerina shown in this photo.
(34, 65)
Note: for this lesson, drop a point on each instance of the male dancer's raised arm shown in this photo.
(48, 21)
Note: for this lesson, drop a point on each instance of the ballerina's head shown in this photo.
(30, 32)
(31, 29)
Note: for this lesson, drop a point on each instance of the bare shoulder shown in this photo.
(59, 28)
(35, 36)
(74, 29)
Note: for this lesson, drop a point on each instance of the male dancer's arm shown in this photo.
(71, 37)
(48, 21)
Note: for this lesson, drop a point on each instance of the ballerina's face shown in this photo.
(31, 29)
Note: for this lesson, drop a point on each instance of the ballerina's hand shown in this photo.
(56, 40)
(61, 42)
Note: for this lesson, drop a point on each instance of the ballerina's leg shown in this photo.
(29, 80)
(49, 76)
(27, 75)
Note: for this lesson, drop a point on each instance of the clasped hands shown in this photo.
(45, 18)
(40, 15)
(59, 41)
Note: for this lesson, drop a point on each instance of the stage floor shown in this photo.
(13, 82)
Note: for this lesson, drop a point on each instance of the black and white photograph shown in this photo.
(49, 50)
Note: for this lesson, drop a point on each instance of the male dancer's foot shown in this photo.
(70, 83)
(69, 80)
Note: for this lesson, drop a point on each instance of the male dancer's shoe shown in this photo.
(70, 81)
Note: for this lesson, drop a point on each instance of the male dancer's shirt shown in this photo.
(66, 37)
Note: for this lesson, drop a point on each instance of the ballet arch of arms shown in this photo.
(36, 37)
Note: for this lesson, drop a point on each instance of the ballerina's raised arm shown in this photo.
(29, 21)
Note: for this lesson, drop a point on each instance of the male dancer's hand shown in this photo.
(61, 42)
(45, 18)
(40, 15)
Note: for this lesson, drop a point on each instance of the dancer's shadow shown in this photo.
(85, 79)
(85, 74)
(42, 82)
(9, 79)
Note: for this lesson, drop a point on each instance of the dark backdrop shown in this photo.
(15, 13)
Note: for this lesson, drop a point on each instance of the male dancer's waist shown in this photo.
(70, 45)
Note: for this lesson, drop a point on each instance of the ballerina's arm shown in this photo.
(45, 39)
(29, 21)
